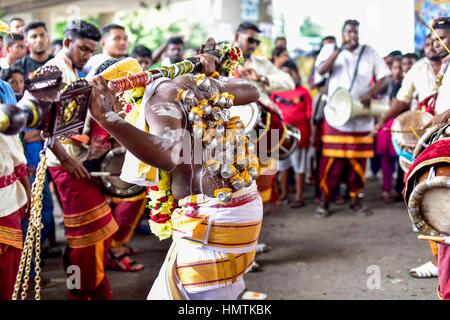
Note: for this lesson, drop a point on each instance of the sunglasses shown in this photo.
(251, 40)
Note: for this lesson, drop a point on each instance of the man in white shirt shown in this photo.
(346, 148)
(114, 44)
(418, 83)
(15, 192)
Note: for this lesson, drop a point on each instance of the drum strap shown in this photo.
(355, 74)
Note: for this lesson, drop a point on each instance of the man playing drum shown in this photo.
(346, 148)
(267, 78)
(418, 83)
(441, 41)
(87, 217)
(215, 230)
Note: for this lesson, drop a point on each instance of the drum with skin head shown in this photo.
(112, 184)
(428, 201)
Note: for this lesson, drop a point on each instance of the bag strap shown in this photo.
(355, 74)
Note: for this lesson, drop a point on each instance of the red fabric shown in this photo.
(77, 196)
(9, 256)
(437, 150)
(330, 131)
(341, 170)
(85, 259)
(19, 172)
(383, 143)
(126, 214)
(444, 272)
(9, 265)
(298, 112)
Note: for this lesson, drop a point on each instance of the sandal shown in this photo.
(132, 251)
(427, 270)
(297, 204)
(123, 263)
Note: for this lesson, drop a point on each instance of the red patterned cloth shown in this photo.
(19, 172)
(438, 152)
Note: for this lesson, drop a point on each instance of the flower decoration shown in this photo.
(231, 58)
(161, 204)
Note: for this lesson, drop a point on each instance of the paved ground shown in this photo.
(342, 257)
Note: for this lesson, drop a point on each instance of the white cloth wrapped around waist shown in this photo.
(229, 228)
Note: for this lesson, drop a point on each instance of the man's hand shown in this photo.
(102, 99)
(442, 118)
(249, 74)
(209, 63)
(376, 129)
(75, 168)
(365, 99)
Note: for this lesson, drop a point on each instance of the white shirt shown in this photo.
(443, 99)
(278, 79)
(14, 196)
(371, 65)
(69, 74)
(4, 63)
(418, 82)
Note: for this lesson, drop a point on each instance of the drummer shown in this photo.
(267, 78)
(441, 41)
(352, 66)
(418, 83)
(87, 217)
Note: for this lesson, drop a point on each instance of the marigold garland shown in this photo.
(161, 204)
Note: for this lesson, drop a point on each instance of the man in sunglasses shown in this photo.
(267, 78)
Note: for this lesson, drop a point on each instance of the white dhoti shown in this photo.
(213, 247)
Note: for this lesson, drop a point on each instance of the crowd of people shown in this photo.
(328, 159)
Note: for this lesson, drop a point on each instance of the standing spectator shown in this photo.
(15, 79)
(16, 25)
(15, 50)
(408, 60)
(174, 51)
(280, 42)
(114, 44)
(143, 55)
(37, 41)
(384, 148)
(296, 108)
(1, 46)
(279, 56)
(56, 46)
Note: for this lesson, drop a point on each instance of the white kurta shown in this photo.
(14, 196)
(418, 82)
(371, 65)
(443, 99)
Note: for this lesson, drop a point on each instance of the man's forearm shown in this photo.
(243, 91)
(59, 151)
(327, 65)
(378, 86)
(146, 147)
(396, 108)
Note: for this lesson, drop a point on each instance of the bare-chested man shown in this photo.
(206, 260)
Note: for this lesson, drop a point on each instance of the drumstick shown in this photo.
(104, 174)
(440, 240)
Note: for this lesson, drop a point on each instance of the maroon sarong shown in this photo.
(10, 252)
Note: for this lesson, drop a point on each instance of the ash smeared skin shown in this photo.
(113, 117)
(167, 109)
